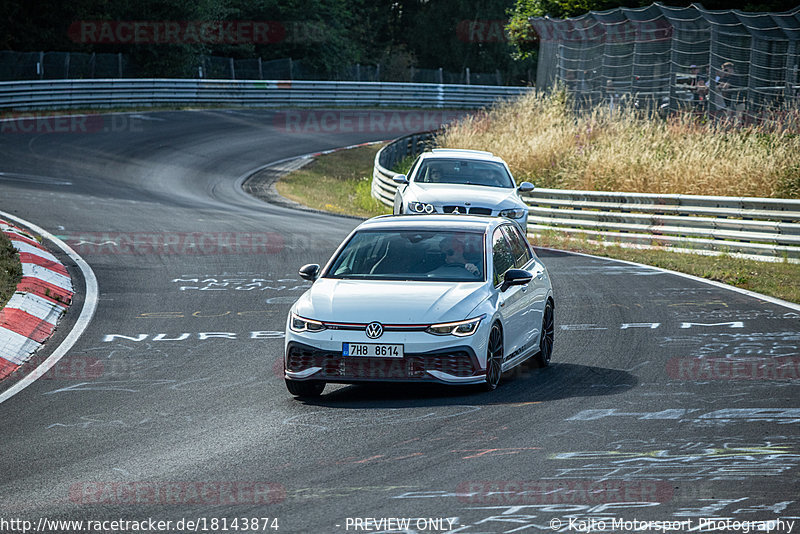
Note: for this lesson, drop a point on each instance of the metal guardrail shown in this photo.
(388, 157)
(60, 94)
(763, 228)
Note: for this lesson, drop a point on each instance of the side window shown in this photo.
(520, 249)
(502, 257)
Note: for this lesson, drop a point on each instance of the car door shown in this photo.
(512, 301)
(535, 293)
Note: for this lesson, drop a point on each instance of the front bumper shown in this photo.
(450, 365)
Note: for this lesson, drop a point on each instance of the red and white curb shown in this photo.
(42, 296)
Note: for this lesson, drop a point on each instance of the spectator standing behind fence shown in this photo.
(698, 85)
(612, 96)
(727, 90)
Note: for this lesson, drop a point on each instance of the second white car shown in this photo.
(463, 182)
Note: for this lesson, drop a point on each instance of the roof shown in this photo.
(475, 223)
(461, 154)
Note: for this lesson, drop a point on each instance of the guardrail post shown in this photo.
(233, 70)
(260, 69)
(466, 70)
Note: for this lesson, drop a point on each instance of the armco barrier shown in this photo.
(388, 157)
(64, 94)
(764, 228)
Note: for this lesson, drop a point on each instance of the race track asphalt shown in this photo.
(667, 400)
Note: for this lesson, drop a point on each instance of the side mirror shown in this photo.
(400, 179)
(309, 272)
(516, 277)
(526, 187)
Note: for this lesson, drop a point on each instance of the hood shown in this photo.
(390, 302)
(477, 195)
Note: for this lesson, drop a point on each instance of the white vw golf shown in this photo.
(442, 298)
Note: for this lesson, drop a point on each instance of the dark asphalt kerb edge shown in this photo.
(87, 311)
(273, 197)
(294, 205)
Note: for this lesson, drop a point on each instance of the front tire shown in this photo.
(305, 388)
(494, 358)
(546, 337)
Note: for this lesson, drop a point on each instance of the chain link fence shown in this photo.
(728, 63)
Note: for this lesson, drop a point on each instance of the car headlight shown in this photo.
(420, 207)
(299, 324)
(513, 213)
(460, 328)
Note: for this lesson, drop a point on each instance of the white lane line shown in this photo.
(89, 307)
(773, 300)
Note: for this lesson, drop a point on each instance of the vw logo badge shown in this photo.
(374, 330)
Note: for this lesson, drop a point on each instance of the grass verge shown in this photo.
(340, 183)
(10, 269)
(545, 142)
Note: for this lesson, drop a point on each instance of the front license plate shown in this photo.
(372, 350)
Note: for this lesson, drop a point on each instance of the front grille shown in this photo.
(480, 211)
(464, 210)
(412, 367)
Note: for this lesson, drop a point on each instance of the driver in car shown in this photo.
(453, 248)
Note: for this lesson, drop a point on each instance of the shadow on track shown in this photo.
(522, 384)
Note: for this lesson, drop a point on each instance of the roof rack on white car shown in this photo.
(482, 152)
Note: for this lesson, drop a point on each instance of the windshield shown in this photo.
(468, 172)
(411, 255)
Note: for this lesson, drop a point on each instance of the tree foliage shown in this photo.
(327, 35)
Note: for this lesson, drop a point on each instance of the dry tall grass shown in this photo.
(544, 141)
